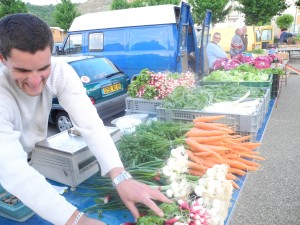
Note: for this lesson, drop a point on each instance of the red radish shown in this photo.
(183, 205)
(172, 220)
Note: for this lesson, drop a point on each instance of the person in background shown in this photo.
(284, 35)
(244, 37)
(237, 45)
(29, 80)
(214, 51)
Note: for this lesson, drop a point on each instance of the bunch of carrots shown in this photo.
(210, 143)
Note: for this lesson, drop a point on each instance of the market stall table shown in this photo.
(81, 199)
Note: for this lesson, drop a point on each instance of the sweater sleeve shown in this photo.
(73, 98)
(22, 180)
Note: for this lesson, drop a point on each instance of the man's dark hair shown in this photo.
(24, 32)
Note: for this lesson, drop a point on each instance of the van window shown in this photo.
(73, 44)
(147, 38)
(96, 42)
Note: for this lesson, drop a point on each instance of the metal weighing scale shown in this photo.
(66, 158)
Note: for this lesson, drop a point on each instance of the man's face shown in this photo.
(29, 71)
(216, 38)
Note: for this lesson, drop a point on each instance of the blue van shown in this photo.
(159, 38)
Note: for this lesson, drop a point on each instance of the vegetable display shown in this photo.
(150, 85)
(260, 62)
(197, 169)
(198, 98)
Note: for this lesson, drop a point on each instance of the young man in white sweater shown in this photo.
(29, 80)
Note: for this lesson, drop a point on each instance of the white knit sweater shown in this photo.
(24, 122)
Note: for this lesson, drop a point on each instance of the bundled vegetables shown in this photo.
(198, 98)
(260, 62)
(150, 85)
(197, 165)
(216, 143)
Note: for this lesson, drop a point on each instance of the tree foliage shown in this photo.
(64, 14)
(284, 21)
(11, 7)
(44, 12)
(219, 8)
(123, 4)
(258, 12)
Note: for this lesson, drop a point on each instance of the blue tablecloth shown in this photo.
(116, 217)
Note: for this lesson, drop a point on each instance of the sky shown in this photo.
(48, 2)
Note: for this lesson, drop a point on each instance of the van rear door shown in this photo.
(183, 36)
(187, 46)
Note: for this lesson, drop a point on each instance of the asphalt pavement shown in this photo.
(271, 196)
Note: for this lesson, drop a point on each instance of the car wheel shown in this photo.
(63, 121)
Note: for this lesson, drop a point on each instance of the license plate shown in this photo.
(112, 88)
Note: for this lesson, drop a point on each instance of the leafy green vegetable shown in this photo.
(170, 211)
(151, 141)
(202, 96)
(187, 98)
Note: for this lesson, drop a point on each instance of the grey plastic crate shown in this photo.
(140, 105)
(242, 123)
(267, 99)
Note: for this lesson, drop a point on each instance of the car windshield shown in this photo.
(94, 68)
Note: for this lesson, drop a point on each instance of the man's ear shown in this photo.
(2, 59)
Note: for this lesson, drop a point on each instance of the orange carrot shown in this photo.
(209, 139)
(216, 148)
(203, 133)
(195, 166)
(211, 126)
(237, 171)
(196, 147)
(208, 118)
(203, 154)
(248, 162)
(235, 185)
(241, 139)
(192, 157)
(230, 176)
(251, 145)
(196, 172)
(251, 156)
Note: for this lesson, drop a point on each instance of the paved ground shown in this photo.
(272, 195)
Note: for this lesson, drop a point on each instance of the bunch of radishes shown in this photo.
(194, 214)
(165, 83)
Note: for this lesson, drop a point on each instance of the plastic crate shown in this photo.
(140, 105)
(266, 98)
(242, 123)
(12, 208)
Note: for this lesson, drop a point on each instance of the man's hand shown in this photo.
(132, 192)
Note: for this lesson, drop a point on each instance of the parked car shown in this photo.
(105, 85)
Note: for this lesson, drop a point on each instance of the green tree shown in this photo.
(119, 4)
(64, 14)
(11, 7)
(220, 9)
(284, 21)
(258, 12)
